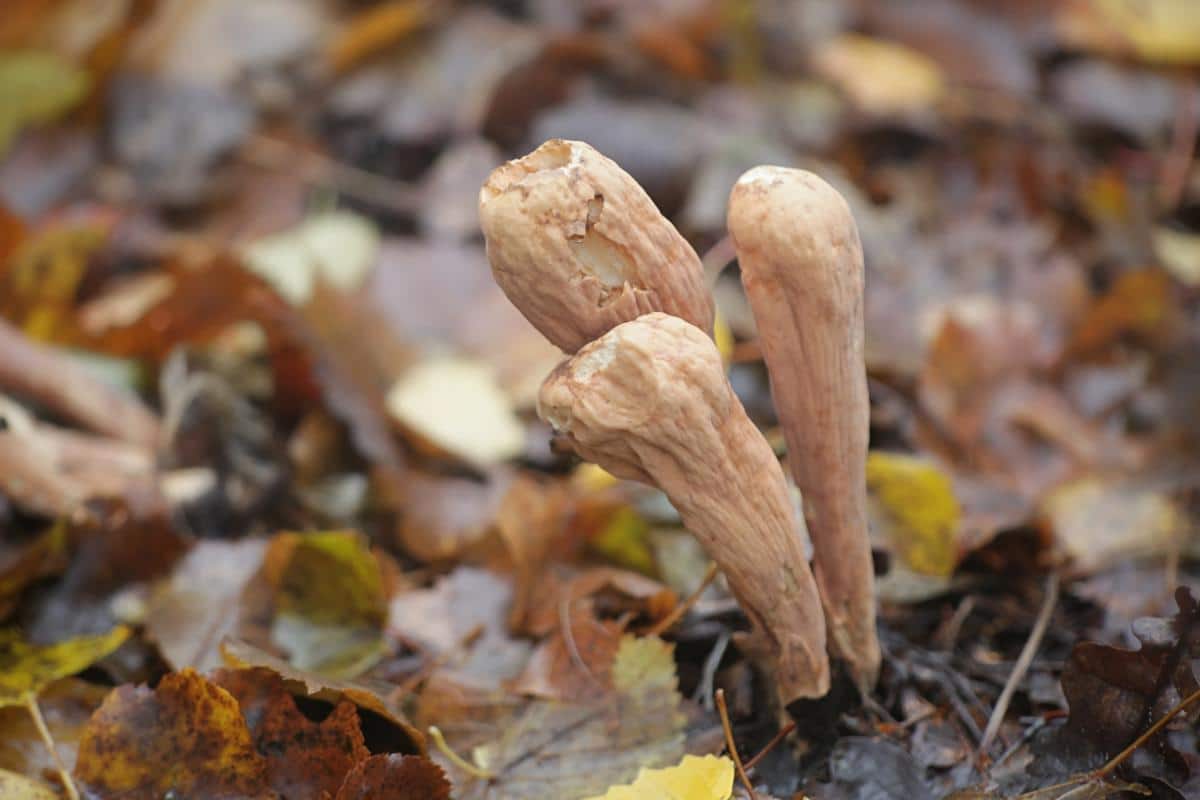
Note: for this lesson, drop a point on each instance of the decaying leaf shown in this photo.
(881, 77)
(35, 87)
(304, 758)
(338, 248)
(397, 778)
(66, 706)
(184, 738)
(26, 668)
(548, 749)
(695, 778)
(17, 787)
(329, 603)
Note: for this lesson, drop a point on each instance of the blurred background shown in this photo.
(243, 290)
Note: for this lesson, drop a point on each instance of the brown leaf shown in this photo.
(304, 758)
(66, 705)
(186, 737)
(396, 778)
(373, 697)
(576, 662)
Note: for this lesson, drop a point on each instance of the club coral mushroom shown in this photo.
(579, 247)
(649, 401)
(802, 268)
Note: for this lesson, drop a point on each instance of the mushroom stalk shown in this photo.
(649, 401)
(802, 268)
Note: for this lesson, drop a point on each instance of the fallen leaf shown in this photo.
(190, 612)
(304, 758)
(1097, 522)
(396, 778)
(329, 603)
(1179, 251)
(26, 668)
(29, 560)
(576, 661)
(1138, 304)
(371, 697)
(915, 509)
(184, 738)
(1160, 31)
(18, 787)
(375, 29)
(694, 778)
(881, 77)
(35, 87)
(338, 248)
(548, 749)
(66, 706)
(456, 405)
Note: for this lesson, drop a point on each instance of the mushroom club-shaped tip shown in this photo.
(802, 268)
(649, 401)
(579, 247)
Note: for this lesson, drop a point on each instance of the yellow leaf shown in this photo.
(35, 87)
(623, 541)
(881, 77)
(1161, 31)
(329, 601)
(723, 337)
(27, 668)
(18, 787)
(913, 502)
(694, 778)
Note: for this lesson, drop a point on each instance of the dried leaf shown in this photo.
(547, 749)
(881, 77)
(304, 758)
(18, 787)
(375, 29)
(456, 405)
(338, 248)
(26, 668)
(373, 697)
(184, 738)
(694, 778)
(1161, 31)
(396, 778)
(329, 601)
(66, 707)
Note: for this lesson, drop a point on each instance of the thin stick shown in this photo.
(439, 741)
(668, 622)
(729, 743)
(1022, 666)
(775, 740)
(35, 711)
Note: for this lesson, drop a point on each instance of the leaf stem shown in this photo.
(731, 745)
(31, 705)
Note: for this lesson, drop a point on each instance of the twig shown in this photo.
(1102, 772)
(708, 675)
(729, 743)
(1049, 601)
(667, 622)
(439, 741)
(35, 711)
(775, 740)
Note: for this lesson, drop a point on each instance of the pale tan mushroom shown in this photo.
(649, 401)
(579, 247)
(802, 267)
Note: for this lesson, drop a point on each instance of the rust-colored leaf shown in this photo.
(396, 778)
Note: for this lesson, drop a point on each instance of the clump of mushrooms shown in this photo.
(582, 252)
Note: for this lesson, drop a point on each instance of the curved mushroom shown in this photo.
(579, 247)
(802, 268)
(649, 401)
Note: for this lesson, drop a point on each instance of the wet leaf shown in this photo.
(397, 778)
(917, 511)
(185, 737)
(695, 778)
(26, 668)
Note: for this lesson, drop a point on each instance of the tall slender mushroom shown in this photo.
(649, 401)
(579, 247)
(802, 268)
